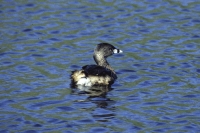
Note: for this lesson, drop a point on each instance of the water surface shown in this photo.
(158, 86)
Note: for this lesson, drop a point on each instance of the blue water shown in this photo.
(158, 85)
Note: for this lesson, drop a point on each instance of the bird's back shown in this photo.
(91, 75)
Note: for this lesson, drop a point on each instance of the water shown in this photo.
(158, 86)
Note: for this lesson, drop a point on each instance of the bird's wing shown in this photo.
(98, 71)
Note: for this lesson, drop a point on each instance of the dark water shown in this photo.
(158, 86)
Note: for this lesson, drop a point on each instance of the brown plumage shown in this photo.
(100, 74)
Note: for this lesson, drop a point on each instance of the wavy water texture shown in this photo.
(158, 86)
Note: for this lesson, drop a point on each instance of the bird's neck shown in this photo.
(101, 61)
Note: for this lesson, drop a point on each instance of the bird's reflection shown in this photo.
(98, 96)
(92, 91)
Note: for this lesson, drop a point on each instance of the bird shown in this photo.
(101, 74)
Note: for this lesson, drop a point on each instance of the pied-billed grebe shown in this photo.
(100, 74)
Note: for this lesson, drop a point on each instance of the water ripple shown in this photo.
(157, 89)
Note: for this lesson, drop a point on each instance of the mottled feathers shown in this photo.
(93, 75)
(100, 74)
